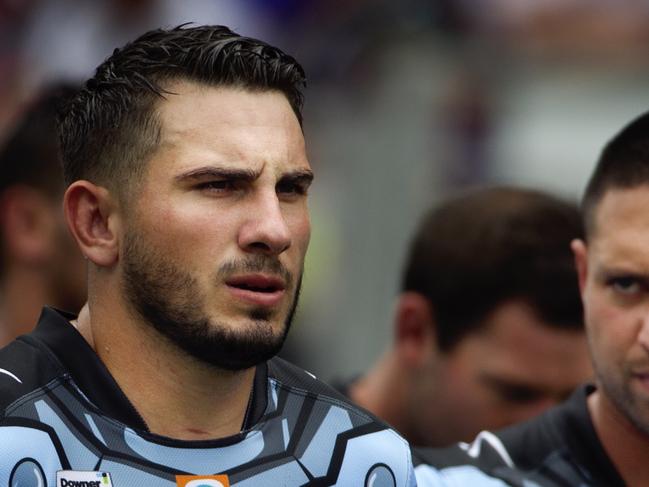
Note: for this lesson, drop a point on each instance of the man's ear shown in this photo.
(415, 339)
(91, 215)
(27, 225)
(580, 251)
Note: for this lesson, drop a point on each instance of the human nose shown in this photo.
(265, 229)
(643, 335)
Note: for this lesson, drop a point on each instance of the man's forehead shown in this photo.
(187, 103)
(622, 210)
(225, 126)
(536, 356)
(620, 236)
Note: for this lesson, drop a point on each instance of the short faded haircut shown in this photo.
(110, 129)
(623, 164)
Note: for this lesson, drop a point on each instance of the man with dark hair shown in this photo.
(488, 326)
(188, 181)
(600, 436)
(40, 262)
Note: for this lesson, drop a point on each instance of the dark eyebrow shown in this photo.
(511, 383)
(606, 273)
(304, 176)
(218, 172)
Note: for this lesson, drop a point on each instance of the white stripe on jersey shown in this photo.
(4, 371)
(473, 450)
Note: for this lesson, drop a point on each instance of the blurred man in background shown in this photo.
(40, 263)
(600, 436)
(488, 327)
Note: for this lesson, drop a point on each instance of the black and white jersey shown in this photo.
(65, 422)
(558, 448)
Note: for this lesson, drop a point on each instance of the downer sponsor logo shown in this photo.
(74, 478)
(202, 481)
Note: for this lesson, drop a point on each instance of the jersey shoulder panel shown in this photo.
(531, 442)
(301, 381)
(25, 367)
(294, 376)
(356, 439)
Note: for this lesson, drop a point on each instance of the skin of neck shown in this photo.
(177, 395)
(625, 445)
(383, 391)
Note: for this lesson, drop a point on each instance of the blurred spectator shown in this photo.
(488, 328)
(40, 264)
(466, 128)
(13, 17)
(68, 38)
(42, 41)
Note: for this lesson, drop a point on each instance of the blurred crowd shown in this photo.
(339, 41)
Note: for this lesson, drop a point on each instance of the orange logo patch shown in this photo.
(202, 481)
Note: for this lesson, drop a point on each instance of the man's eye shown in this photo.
(624, 285)
(290, 188)
(217, 185)
(519, 394)
(512, 392)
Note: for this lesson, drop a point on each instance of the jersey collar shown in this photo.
(57, 335)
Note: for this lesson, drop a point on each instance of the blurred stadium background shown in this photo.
(407, 101)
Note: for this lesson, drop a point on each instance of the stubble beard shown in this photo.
(169, 300)
(618, 391)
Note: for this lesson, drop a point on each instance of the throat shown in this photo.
(624, 443)
(182, 399)
(194, 415)
(176, 396)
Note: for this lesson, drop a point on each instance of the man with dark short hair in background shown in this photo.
(488, 326)
(41, 264)
(600, 436)
(187, 192)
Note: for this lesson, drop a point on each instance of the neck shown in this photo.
(381, 391)
(625, 445)
(22, 295)
(176, 395)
